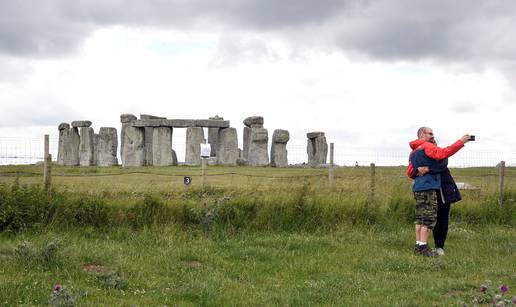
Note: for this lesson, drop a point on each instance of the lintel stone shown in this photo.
(81, 123)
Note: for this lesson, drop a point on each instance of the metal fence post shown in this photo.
(501, 172)
(47, 165)
(372, 184)
(331, 174)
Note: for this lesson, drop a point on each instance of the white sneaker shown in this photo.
(439, 251)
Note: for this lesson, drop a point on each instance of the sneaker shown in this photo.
(439, 251)
(417, 250)
(427, 252)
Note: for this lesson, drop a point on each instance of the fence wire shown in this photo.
(15, 151)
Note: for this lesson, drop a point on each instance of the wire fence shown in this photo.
(15, 151)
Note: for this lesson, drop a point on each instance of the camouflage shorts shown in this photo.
(426, 208)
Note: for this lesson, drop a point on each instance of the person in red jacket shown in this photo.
(427, 185)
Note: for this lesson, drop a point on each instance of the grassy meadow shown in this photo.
(251, 236)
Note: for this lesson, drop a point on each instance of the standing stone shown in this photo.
(162, 146)
(250, 123)
(64, 130)
(279, 148)
(133, 153)
(149, 138)
(258, 154)
(227, 150)
(107, 147)
(126, 120)
(71, 156)
(194, 138)
(317, 148)
(174, 157)
(246, 143)
(213, 136)
(86, 146)
(95, 149)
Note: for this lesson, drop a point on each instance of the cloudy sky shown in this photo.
(368, 73)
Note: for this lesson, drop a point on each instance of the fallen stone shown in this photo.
(81, 123)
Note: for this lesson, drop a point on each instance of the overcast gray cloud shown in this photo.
(443, 30)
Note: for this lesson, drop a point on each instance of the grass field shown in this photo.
(252, 236)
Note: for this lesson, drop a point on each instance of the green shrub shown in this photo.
(111, 280)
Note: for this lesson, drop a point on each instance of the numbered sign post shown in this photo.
(187, 180)
(205, 154)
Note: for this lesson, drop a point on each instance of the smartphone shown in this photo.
(471, 137)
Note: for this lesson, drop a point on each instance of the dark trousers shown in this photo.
(440, 230)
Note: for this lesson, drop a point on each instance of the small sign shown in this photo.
(205, 150)
(187, 180)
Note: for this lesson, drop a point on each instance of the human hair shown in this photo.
(421, 131)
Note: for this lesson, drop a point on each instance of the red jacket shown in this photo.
(432, 151)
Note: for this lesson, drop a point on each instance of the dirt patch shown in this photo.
(97, 268)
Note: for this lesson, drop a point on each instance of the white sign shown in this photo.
(205, 150)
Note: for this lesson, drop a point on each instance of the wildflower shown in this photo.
(504, 288)
(57, 288)
(483, 288)
(513, 300)
(498, 297)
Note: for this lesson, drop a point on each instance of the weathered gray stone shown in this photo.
(279, 154)
(227, 150)
(213, 136)
(63, 126)
(71, 147)
(127, 118)
(86, 146)
(81, 123)
(174, 157)
(147, 116)
(194, 138)
(64, 132)
(162, 146)
(133, 146)
(148, 136)
(280, 136)
(107, 147)
(95, 148)
(211, 123)
(246, 143)
(257, 121)
(258, 154)
(313, 135)
(317, 149)
(150, 123)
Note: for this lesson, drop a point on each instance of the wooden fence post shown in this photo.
(204, 162)
(501, 172)
(331, 174)
(372, 184)
(47, 165)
